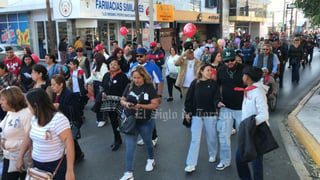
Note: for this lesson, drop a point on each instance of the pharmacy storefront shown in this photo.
(99, 19)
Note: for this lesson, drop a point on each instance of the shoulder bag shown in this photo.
(127, 124)
(38, 174)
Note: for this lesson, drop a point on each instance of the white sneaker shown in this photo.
(140, 142)
(234, 131)
(127, 176)
(212, 159)
(154, 142)
(190, 169)
(222, 166)
(150, 165)
(101, 124)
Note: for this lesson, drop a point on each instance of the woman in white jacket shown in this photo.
(172, 72)
(15, 127)
(99, 70)
(254, 103)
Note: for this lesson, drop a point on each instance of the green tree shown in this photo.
(311, 9)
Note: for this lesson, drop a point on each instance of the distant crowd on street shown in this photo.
(226, 85)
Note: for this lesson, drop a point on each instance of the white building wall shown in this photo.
(188, 5)
(24, 5)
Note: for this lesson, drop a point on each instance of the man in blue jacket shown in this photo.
(248, 52)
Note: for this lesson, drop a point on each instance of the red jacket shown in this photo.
(13, 64)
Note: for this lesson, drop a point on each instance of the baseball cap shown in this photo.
(228, 54)
(239, 52)
(188, 45)
(98, 48)
(245, 40)
(141, 50)
(153, 44)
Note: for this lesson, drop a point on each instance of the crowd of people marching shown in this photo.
(223, 84)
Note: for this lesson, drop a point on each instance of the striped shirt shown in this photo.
(47, 146)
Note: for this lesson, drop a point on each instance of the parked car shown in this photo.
(18, 51)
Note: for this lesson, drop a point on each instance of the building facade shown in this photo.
(25, 22)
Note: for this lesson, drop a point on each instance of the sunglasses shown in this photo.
(296, 40)
(230, 60)
(265, 49)
(140, 56)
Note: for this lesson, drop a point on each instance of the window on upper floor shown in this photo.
(211, 3)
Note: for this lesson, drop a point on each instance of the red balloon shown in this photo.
(123, 31)
(189, 30)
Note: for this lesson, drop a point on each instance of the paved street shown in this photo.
(170, 153)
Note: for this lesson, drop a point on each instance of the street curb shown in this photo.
(304, 136)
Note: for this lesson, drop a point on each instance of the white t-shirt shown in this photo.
(15, 126)
(75, 84)
(47, 146)
(198, 52)
(189, 74)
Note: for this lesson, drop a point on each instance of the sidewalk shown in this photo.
(304, 120)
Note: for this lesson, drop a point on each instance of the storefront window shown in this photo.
(54, 36)
(242, 27)
(62, 30)
(12, 17)
(113, 32)
(41, 40)
(102, 33)
(84, 34)
(129, 35)
(248, 8)
(14, 29)
(3, 18)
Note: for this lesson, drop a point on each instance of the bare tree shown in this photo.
(51, 38)
(138, 25)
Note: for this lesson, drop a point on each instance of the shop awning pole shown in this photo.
(151, 30)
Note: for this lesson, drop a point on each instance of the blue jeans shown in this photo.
(51, 166)
(244, 171)
(96, 88)
(145, 130)
(196, 131)
(224, 127)
(295, 72)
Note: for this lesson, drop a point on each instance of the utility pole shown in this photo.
(138, 25)
(221, 17)
(51, 38)
(151, 27)
(291, 23)
(283, 18)
(295, 22)
(273, 21)
(247, 7)
(291, 7)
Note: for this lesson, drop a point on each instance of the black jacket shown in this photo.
(63, 46)
(296, 54)
(69, 105)
(254, 140)
(227, 80)
(114, 86)
(282, 53)
(26, 81)
(246, 146)
(202, 98)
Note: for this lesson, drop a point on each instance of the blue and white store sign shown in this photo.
(100, 9)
